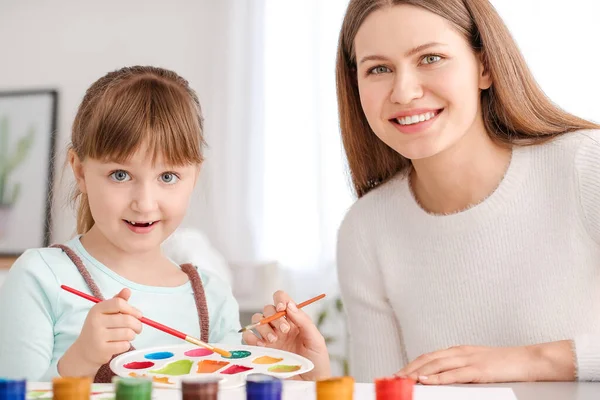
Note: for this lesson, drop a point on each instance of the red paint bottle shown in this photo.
(394, 388)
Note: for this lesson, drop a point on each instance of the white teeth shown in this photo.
(413, 119)
(140, 223)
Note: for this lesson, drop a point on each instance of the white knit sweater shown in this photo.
(521, 267)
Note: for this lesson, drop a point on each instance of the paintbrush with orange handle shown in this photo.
(156, 325)
(280, 314)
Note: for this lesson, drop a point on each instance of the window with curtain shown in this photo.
(306, 190)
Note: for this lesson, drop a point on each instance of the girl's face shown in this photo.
(419, 81)
(136, 205)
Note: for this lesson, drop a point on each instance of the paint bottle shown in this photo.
(263, 387)
(341, 388)
(132, 388)
(13, 389)
(196, 388)
(71, 388)
(394, 388)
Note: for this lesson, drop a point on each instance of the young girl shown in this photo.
(136, 152)
(473, 252)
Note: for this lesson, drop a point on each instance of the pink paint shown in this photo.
(236, 369)
(198, 353)
(139, 365)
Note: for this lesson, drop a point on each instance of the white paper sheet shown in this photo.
(460, 393)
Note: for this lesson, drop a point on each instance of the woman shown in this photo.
(473, 251)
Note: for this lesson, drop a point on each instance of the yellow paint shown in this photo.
(154, 378)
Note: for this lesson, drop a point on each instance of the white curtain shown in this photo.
(305, 190)
(275, 180)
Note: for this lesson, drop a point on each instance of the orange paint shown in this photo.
(210, 366)
(266, 360)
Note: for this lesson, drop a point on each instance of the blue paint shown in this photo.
(12, 390)
(263, 387)
(161, 355)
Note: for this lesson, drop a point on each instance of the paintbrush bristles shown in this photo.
(222, 352)
(249, 327)
(217, 350)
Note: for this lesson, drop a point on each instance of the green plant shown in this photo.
(10, 160)
(334, 310)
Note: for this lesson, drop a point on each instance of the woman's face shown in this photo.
(419, 80)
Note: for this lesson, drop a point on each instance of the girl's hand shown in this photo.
(108, 329)
(471, 364)
(295, 333)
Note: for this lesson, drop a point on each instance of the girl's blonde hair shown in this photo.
(515, 110)
(131, 107)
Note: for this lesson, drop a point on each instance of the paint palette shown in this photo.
(167, 365)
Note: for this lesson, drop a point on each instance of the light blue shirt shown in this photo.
(39, 321)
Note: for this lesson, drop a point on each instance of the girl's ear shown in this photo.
(485, 78)
(77, 167)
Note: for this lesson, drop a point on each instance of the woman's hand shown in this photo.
(295, 333)
(472, 364)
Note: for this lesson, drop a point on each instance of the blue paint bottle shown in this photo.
(263, 387)
(13, 390)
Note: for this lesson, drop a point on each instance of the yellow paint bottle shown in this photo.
(71, 388)
(340, 388)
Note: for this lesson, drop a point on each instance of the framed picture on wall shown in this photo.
(28, 121)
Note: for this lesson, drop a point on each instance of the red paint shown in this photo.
(198, 353)
(395, 388)
(236, 369)
(139, 365)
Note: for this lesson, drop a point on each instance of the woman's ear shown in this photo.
(485, 78)
(77, 167)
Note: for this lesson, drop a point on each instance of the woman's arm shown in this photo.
(587, 177)
(375, 338)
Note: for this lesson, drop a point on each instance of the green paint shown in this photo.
(181, 367)
(35, 394)
(239, 354)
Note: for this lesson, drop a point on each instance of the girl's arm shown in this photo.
(27, 315)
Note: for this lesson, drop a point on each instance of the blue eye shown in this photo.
(169, 178)
(380, 69)
(120, 176)
(431, 59)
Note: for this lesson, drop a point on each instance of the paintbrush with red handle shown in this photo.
(156, 325)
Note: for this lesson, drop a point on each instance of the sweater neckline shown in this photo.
(495, 203)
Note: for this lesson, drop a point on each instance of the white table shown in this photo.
(295, 390)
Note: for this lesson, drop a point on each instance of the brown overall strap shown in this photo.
(200, 299)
